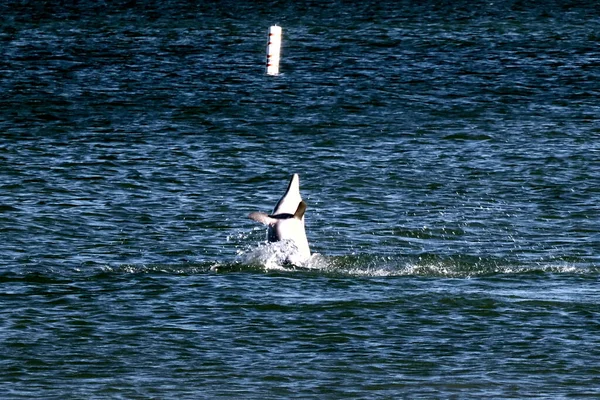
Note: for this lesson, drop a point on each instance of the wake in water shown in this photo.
(272, 257)
(268, 257)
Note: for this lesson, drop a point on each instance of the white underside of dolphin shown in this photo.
(286, 223)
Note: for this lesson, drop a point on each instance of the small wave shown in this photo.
(465, 136)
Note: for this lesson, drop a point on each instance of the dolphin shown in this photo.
(286, 223)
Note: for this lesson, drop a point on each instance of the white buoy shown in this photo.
(273, 50)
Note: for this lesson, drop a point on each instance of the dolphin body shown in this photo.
(286, 223)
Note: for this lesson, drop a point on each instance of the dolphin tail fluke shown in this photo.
(300, 210)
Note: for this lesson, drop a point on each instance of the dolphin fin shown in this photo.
(262, 218)
(300, 210)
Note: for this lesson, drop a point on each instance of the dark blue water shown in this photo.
(448, 152)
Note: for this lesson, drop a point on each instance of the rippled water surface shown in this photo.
(448, 152)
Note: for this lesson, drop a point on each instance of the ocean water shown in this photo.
(448, 153)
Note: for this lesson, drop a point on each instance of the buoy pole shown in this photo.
(273, 50)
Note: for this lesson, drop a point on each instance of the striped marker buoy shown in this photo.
(273, 50)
